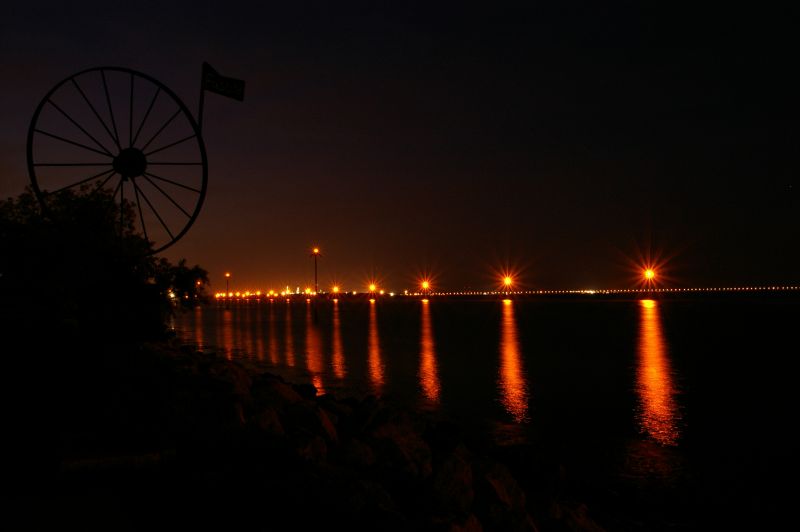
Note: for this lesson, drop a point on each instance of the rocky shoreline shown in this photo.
(192, 439)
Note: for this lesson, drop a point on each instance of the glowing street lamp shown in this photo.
(227, 287)
(649, 274)
(315, 253)
(335, 289)
(372, 288)
(426, 286)
(507, 282)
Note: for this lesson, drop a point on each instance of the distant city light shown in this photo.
(335, 289)
(372, 287)
(649, 274)
(426, 285)
(507, 281)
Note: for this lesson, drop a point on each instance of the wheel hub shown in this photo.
(130, 163)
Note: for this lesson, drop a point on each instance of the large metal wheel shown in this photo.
(123, 131)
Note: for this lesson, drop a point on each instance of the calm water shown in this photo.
(655, 407)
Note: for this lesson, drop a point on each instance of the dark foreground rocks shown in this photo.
(171, 438)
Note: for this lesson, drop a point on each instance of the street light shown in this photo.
(315, 253)
(227, 288)
(426, 286)
(507, 282)
(649, 278)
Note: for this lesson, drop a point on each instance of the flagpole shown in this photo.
(202, 103)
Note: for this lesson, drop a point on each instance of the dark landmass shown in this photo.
(161, 436)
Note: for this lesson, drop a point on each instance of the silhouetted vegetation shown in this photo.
(77, 271)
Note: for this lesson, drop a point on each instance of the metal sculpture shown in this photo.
(123, 131)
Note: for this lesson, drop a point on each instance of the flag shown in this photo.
(213, 82)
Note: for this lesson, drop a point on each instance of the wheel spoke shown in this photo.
(60, 110)
(172, 182)
(168, 196)
(193, 135)
(119, 186)
(62, 139)
(168, 122)
(110, 110)
(101, 185)
(82, 181)
(149, 108)
(139, 206)
(70, 164)
(173, 164)
(96, 114)
(156, 213)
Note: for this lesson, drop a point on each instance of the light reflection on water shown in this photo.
(657, 412)
(428, 367)
(512, 381)
(198, 326)
(273, 337)
(376, 366)
(339, 367)
(314, 360)
(289, 351)
(343, 353)
(227, 332)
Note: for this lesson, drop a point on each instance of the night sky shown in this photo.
(563, 142)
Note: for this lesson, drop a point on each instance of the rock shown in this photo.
(268, 421)
(575, 519)
(470, 524)
(452, 482)
(307, 391)
(311, 448)
(358, 454)
(399, 446)
(500, 502)
(308, 418)
(273, 393)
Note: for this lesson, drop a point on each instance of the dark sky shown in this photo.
(561, 141)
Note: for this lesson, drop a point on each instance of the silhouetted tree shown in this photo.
(72, 268)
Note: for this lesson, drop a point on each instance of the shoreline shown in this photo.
(365, 463)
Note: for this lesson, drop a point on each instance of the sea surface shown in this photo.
(663, 414)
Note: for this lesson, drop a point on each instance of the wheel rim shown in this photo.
(116, 129)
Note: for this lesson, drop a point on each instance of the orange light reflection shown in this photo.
(428, 368)
(512, 381)
(657, 410)
(338, 353)
(198, 326)
(314, 351)
(289, 339)
(273, 337)
(376, 368)
(227, 333)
